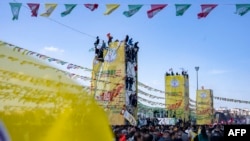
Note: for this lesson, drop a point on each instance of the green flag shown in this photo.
(15, 8)
(69, 8)
(132, 9)
(242, 9)
(181, 8)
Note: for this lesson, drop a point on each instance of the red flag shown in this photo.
(155, 8)
(34, 8)
(205, 10)
(92, 7)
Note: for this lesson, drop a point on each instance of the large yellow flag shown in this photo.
(40, 103)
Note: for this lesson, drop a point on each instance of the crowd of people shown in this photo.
(185, 132)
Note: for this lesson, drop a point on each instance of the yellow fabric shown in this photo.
(49, 9)
(40, 103)
(193, 135)
(199, 130)
(110, 8)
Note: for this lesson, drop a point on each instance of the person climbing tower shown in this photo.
(126, 39)
(103, 45)
(134, 52)
(109, 38)
(130, 41)
(97, 41)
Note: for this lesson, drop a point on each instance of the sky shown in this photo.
(218, 44)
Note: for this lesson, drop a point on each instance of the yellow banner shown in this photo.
(177, 96)
(108, 83)
(42, 104)
(204, 106)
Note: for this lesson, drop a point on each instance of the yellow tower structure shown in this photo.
(204, 106)
(114, 80)
(177, 95)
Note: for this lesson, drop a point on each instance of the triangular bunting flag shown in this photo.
(181, 8)
(132, 9)
(92, 7)
(69, 8)
(34, 8)
(49, 9)
(15, 8)
(155, 8)
(205, 10)
(110, 8)
(242, 9)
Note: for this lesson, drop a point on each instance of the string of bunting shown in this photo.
(44, 57)
(231, 100)
(155, 104)
(23, 93)
(36, 81)
(241, 9)
(69, 65)
(145, 109)
(70, 75)
(73, 66)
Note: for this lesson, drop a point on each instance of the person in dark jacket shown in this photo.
(97, 41)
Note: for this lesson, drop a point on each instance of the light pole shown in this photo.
(197, 69)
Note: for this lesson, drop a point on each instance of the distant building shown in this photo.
(233, 115)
